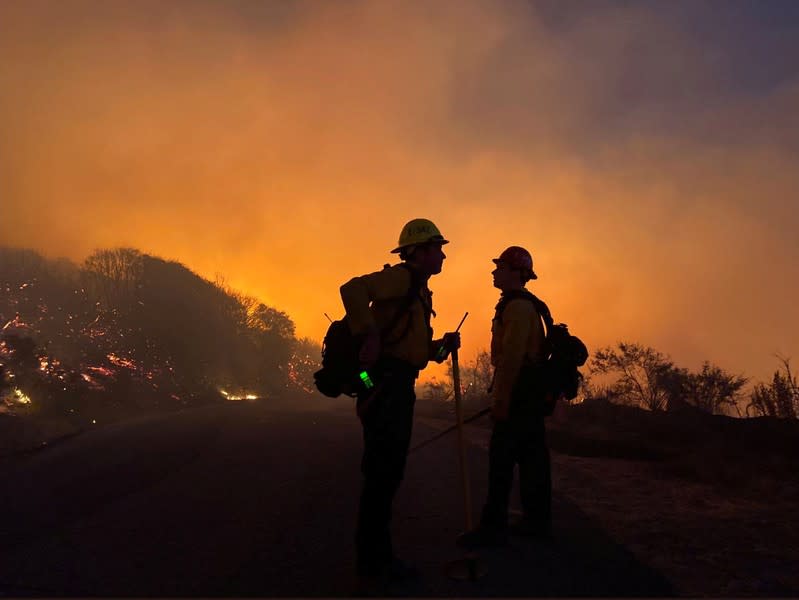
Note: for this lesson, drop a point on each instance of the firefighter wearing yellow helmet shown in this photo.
(416, 232)
(389, 312)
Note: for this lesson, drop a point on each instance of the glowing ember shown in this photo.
(104, 371)
(236, 397)
(21, 397)
(93, 383)
(16, 326)
(121, 362)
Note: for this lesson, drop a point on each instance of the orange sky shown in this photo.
(285, 145)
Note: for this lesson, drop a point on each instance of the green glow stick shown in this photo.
(367, 381)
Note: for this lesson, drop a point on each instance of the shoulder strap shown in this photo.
(543, 310)
(413, 293)
(540, 305)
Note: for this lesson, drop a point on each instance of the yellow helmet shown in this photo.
(419, 231)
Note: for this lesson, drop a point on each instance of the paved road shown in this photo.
(260, 500)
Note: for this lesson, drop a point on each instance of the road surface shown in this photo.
(260, 500)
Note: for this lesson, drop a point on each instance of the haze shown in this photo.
(644, 152)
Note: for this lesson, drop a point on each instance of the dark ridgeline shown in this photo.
(127, 331)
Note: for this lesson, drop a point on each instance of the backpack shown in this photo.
(563, 352)
(340, 364)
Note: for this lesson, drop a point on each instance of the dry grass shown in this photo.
(705, 540)
(711, 502)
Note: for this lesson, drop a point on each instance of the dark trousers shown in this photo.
(519, 440)
(387, 423)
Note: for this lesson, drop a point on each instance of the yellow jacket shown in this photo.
(517, 336)
(372, 300)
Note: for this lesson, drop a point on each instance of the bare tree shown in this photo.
(476, 379)
(712, 388)
(780, 398)
(642, 374)
(112, 277)
(438, 391)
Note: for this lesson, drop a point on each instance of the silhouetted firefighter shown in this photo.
(389, 314)
(520, 403)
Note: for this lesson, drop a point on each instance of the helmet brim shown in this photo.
(434, 240)
(496, 261)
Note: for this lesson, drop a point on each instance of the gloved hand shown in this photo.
(451, 341)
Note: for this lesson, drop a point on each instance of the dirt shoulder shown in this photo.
(712, 504)
(705, 540)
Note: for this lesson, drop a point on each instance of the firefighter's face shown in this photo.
(430, 258)
(505, 277)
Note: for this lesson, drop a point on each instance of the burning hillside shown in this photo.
(127, 331)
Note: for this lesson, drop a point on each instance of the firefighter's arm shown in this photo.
(359, 292)
(517, 319)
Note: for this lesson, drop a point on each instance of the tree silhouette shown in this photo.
(476, 379)
(113, 276)
(129, 328)
(643, 374)
(712, 389)
(780, 398)
(647, 378)
(186, 321)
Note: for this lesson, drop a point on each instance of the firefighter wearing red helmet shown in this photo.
(518, 258)
(518, 436)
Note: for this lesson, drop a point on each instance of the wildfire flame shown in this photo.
(121, 362)
(237, 396)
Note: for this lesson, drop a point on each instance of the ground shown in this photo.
(709, 502)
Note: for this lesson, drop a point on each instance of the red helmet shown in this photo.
(517, 257)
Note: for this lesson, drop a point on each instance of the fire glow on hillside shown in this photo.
(21, 347)
(128, 331)
(236, 397)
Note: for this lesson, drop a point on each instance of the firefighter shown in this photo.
(398, 296)
(518, 400)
